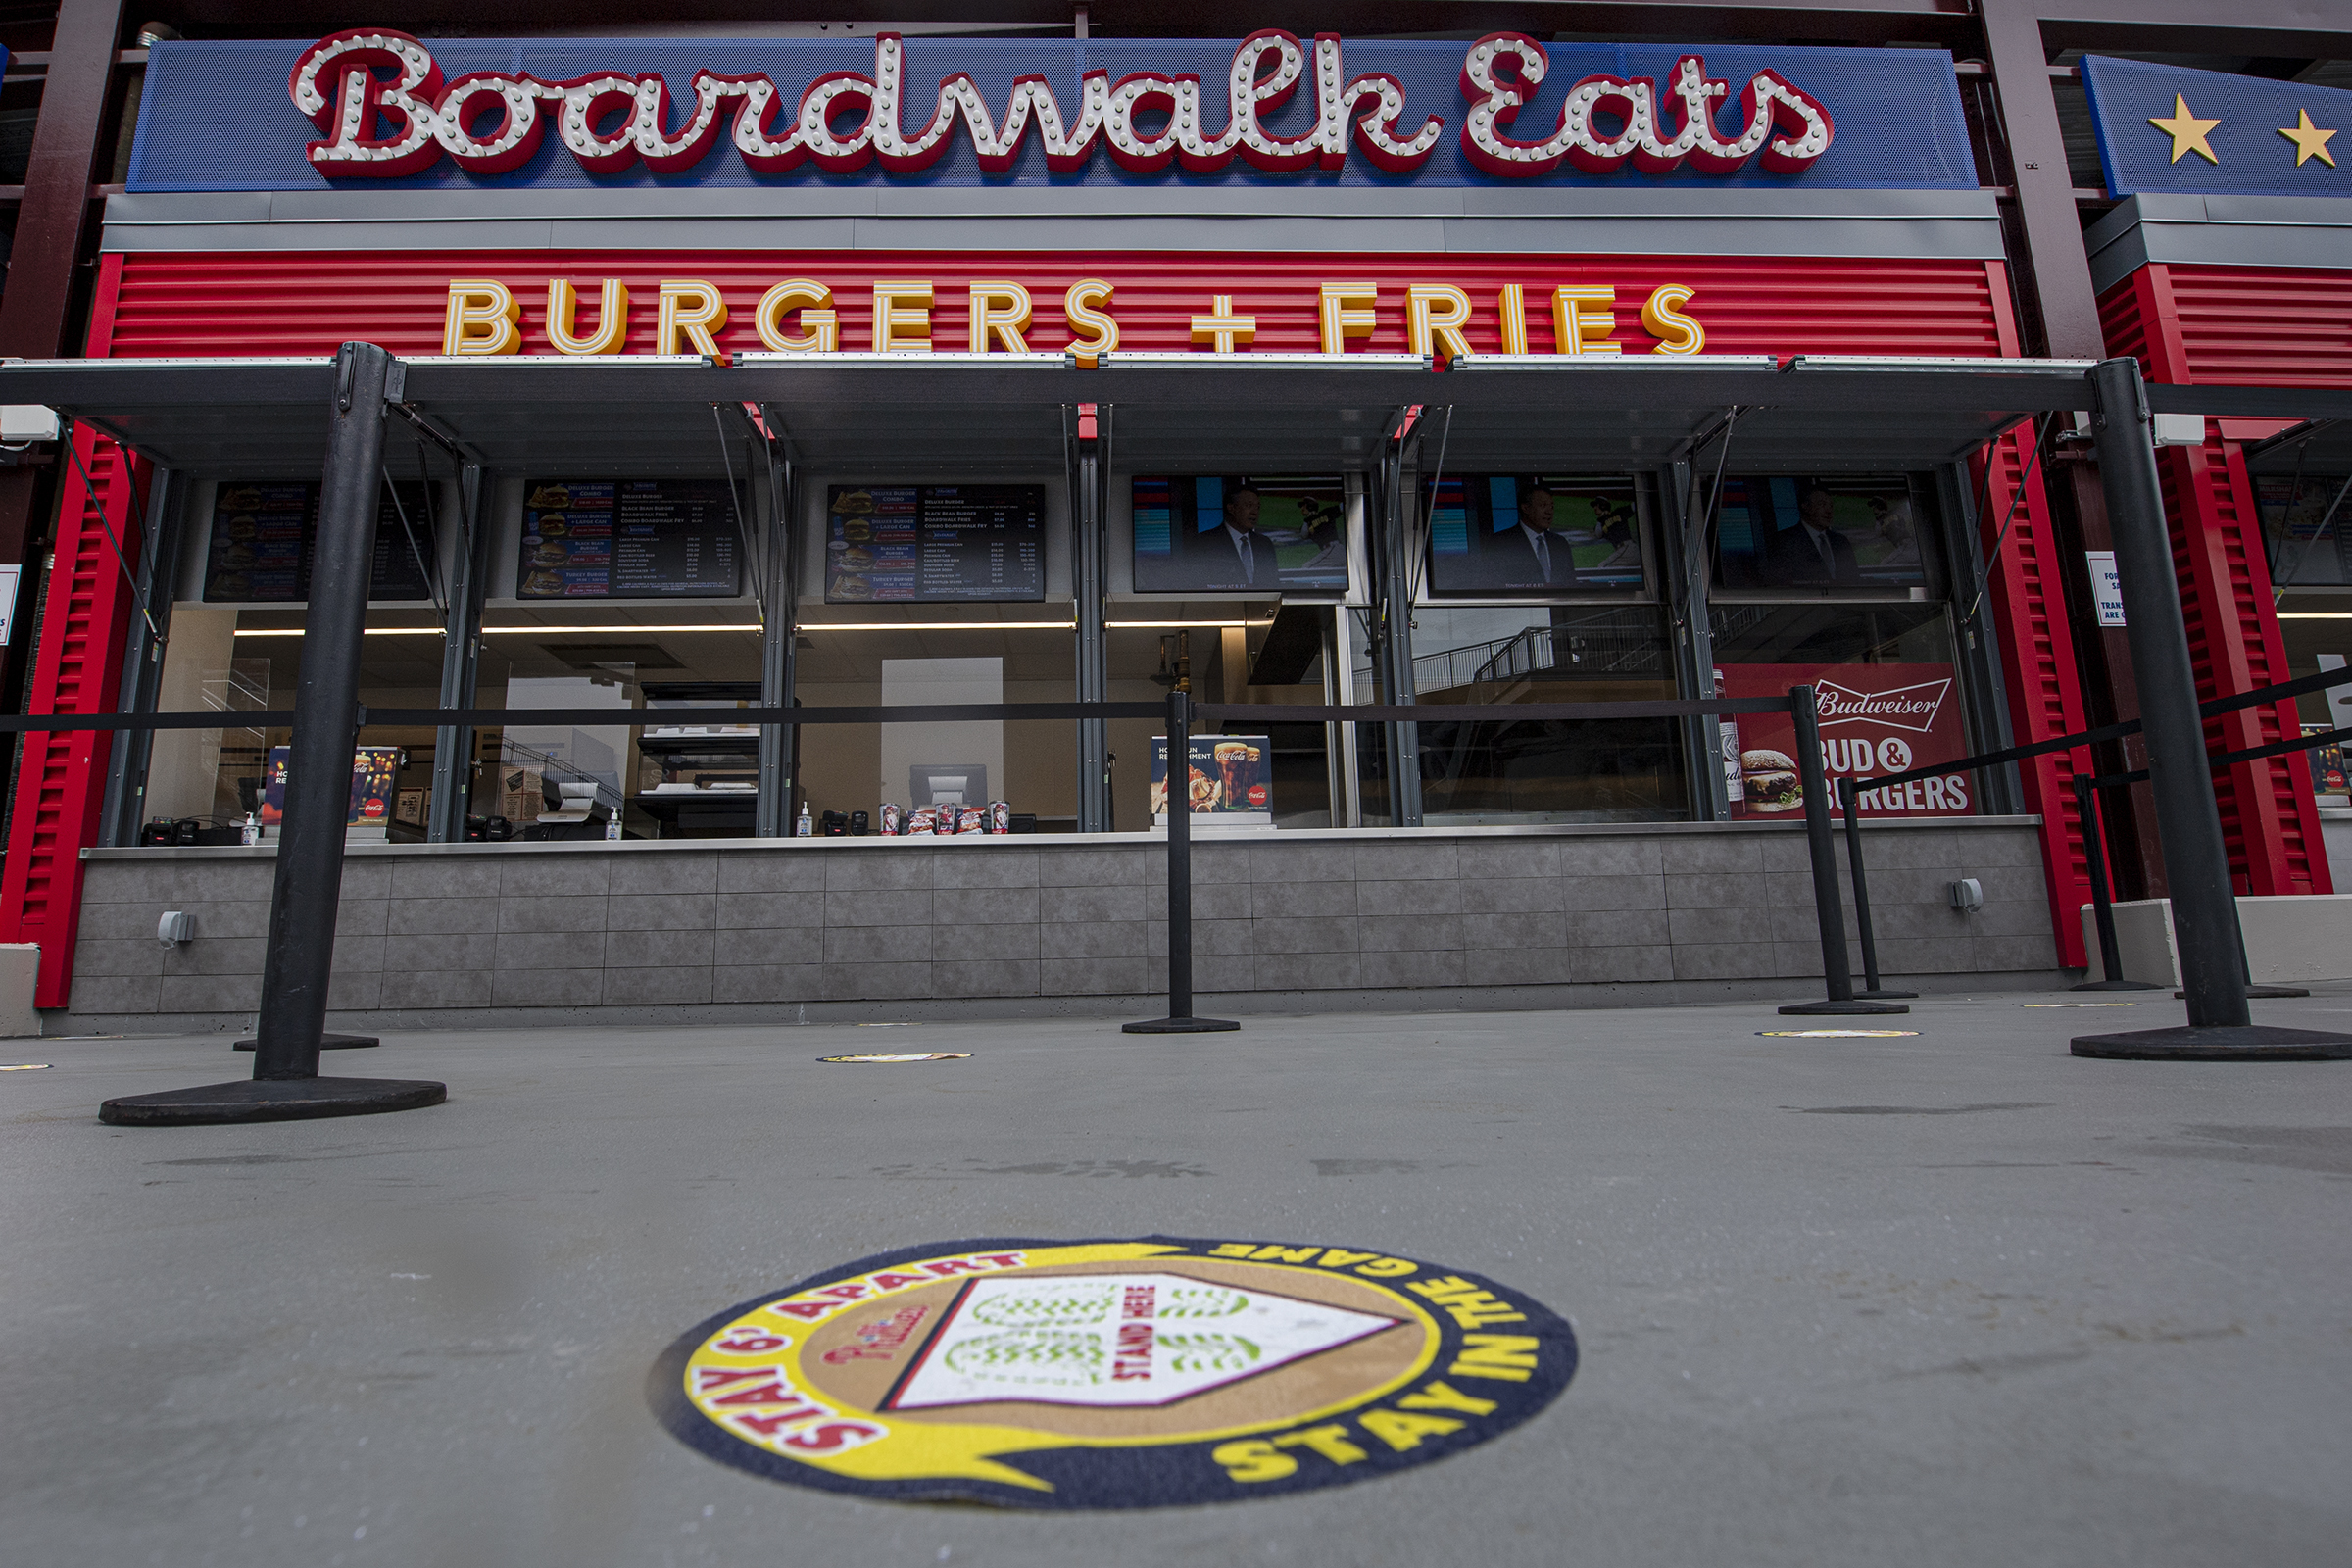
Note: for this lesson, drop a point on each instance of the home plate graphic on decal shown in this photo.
(1133, 1373)
(1117, 1338)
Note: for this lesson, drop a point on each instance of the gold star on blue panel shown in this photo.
(2310, 141)
(2188, 132)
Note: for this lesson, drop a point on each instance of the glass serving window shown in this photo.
(1889, 693)
(1485, 771)
(899, 656)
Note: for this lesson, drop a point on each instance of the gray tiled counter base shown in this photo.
(1329, 920)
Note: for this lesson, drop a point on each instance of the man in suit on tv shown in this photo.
(1528, 555)
(1234, 554)
(1813, 553)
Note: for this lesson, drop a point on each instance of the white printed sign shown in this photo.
(2106, 586)
(10, 576)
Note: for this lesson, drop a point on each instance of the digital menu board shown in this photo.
(1533, 534)
(934, 543)
(629, 539)
(1229, 532)
(266, 533)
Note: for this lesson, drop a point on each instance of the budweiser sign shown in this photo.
(384, 110)
(1909, 708)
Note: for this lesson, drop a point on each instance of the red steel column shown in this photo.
(61, 784)
(2028, 598)
(2269, 817)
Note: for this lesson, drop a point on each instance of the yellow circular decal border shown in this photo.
(1131, 1387)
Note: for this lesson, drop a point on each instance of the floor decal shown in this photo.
(903, 1055)
(1834, 1034)
(1111, 1374)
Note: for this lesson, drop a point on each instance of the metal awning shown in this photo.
(2314, 447)
(976, 415)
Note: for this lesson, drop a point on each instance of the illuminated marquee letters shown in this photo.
(484, 317)
(383, 110)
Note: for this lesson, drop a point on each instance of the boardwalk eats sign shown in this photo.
(384, 110)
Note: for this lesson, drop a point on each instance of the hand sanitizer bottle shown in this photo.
(804, 827)
(252, 831)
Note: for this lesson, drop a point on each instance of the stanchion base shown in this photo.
(2117, 985)
(2262, 992)
(270, 1099)
(1881, 994)
(1842, 1010)
(2252, 1042)
(1179, 1026)
(325, 1043)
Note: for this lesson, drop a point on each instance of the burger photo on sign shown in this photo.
(1771, 781)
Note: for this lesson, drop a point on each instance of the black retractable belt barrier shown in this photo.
(1872, 990)
(299, 959)
(2196, 859)
(1838, 975)
(1180, 1019)
(2102, 898)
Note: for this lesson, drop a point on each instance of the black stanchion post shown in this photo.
(1180, 1019)
(2196, 859)
(1836, 973)
(1872, 991)
(300, 956)
(2102, 898)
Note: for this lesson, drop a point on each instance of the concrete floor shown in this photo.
(1957, 1299)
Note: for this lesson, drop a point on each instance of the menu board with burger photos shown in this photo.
(265, 536)
(1829, 531)
(1529, 533)
(934, 543)
(629, 539)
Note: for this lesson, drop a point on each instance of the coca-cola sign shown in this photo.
(384, 110)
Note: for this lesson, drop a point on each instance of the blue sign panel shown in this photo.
(393, 113)
(2170, 130)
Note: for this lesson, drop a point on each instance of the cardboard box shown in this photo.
(522, 794)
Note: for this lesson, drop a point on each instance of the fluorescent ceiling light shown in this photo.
(2315, 614)
(373, 631)
(938, 625)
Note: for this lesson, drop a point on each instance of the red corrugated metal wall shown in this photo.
(308, 302)
(78, 670)
(2225, 325)
(2028, 599)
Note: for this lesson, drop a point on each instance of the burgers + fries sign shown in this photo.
(1875, 719)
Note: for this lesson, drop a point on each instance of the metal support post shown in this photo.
(1393, 633)
(1872, 990)
(2102, 898)
(460, 659)
(1180, 1019)
(1828, 912)
(143, 659)
(1703, 734)
(1089, 487)
(300, 957)
(779, 644)
(2196, 858)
